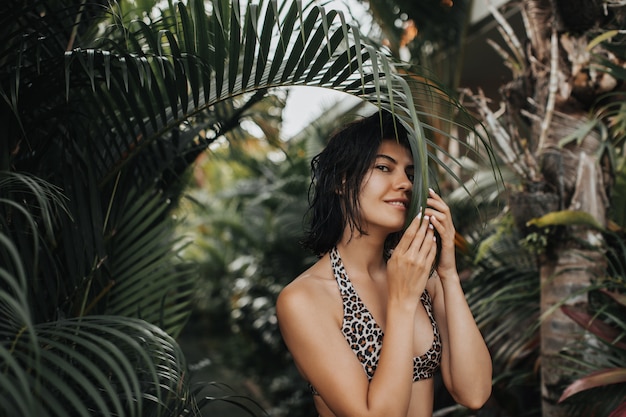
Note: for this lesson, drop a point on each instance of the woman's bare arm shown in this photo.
(466, 363)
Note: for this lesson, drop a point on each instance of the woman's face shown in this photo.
(385, 193)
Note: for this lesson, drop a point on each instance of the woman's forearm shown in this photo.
(470, 369)
(390, 389)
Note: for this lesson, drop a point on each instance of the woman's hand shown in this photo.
(410, 264)
(441, 218)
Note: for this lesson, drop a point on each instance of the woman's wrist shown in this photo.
(449, 276)
(401, 306)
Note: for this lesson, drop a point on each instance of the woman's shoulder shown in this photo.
(313, 290)
(313, 281)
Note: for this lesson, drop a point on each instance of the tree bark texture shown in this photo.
(566, 273)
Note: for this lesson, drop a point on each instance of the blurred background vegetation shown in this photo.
(152, 203)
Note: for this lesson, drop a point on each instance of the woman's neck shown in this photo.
(363, 253)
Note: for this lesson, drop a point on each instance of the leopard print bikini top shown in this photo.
(365, 335)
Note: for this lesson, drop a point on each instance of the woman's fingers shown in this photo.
(414, 233)
(432, 252)
(441, 219)
(416, 243)
(412, 260)
(440, 216)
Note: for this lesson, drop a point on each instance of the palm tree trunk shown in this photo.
(564, 276)
(573, 259)
(571, 177)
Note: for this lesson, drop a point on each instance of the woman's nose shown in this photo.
(403, 182)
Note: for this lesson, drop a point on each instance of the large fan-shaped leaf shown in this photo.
(112, 364)
(264, 47)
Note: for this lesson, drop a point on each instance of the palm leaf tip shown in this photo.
(594, 380)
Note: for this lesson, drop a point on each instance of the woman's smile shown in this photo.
(399, 203)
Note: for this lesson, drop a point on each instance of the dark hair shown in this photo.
(336, 177)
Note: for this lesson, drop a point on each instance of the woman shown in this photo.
(373, 279)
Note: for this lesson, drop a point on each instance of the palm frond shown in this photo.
(181, 74)
(148, 280)
(504, 283)
(112, 364)
(115, 365)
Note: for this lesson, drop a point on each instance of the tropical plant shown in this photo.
(600, 389)
(246, 243)
(102, 115)
(606, 372)
(60, 357)
(548, 133)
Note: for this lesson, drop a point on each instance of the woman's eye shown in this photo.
(411, 177)
(383, 168)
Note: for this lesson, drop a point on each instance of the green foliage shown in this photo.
(104, 109)
(536, 242)
(505, 282)
(246, 242)
(601, 387)
(503, 294)
(501, 282)
(58, 358)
